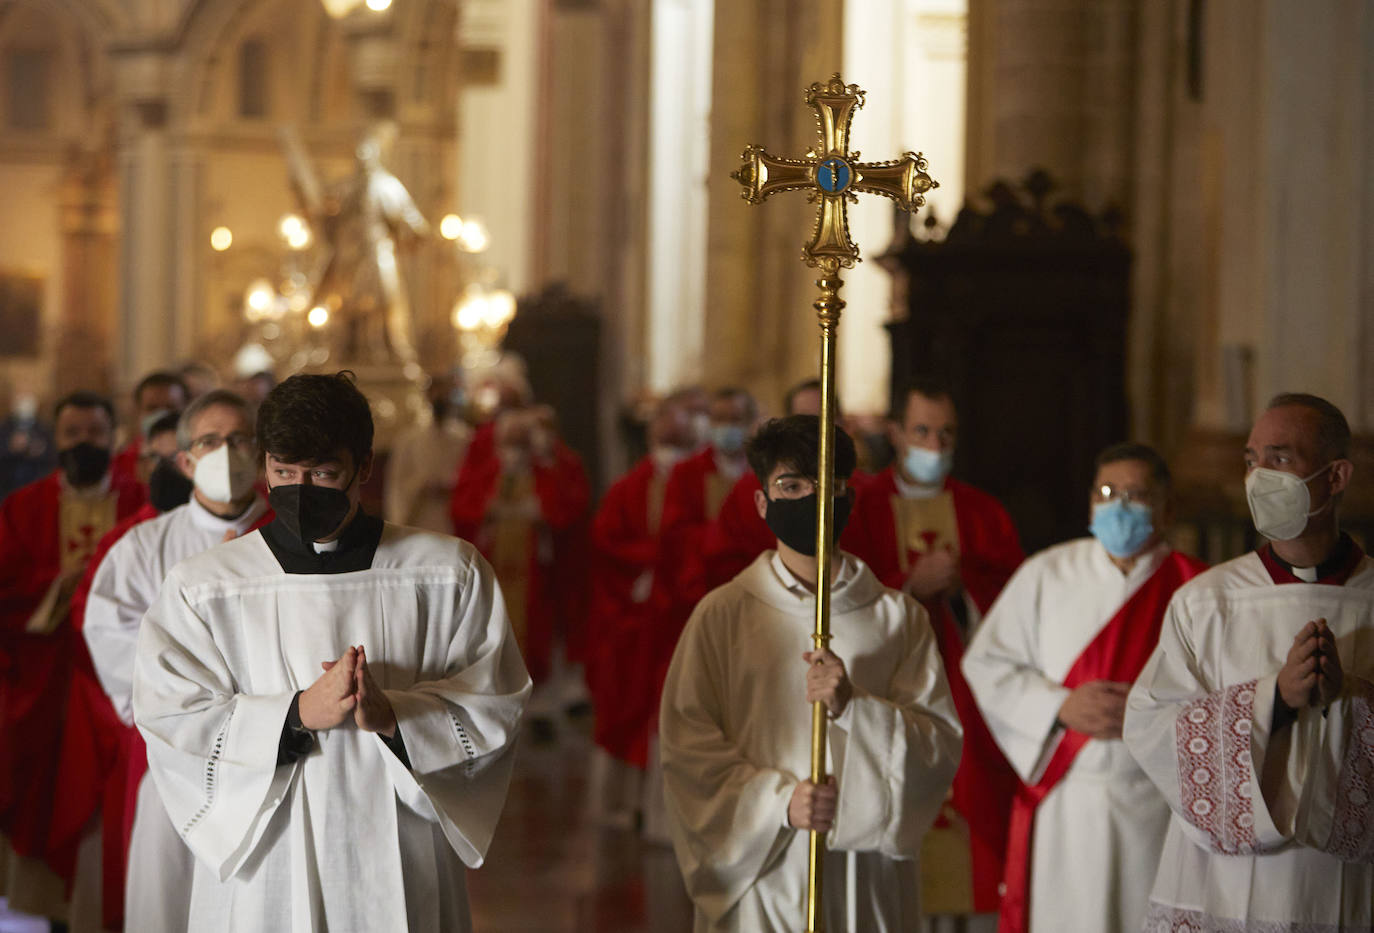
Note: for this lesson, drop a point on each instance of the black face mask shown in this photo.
(794, 521)
(168, 487)
(84, 464)
(309, 512)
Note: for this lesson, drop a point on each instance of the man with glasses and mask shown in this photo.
(350, 799)
(215, 460)
(1050, 668)
(736, 722)
(48, 532)
(1255, 715)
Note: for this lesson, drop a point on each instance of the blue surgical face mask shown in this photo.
(728, 438)
(1122, 527)
(926, 466)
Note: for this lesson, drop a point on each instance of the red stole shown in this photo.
(1118, 652)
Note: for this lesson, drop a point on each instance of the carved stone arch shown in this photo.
(72, 31)
(210, 42)
(102, 18)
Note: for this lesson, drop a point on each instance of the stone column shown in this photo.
(760, 328)
(146, 336)
(89, 223)
(1051, 85)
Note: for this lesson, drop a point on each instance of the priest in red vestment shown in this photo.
(48, 531)
(1050, 667)
(627, 596)
(953, 548)
(738, 534)
(696, 490)
(522, 498)
(157, 394)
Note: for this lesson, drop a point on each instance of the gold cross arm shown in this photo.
(833, 175)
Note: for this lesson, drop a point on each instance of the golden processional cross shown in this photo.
(832, 176)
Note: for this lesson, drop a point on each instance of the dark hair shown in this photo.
(931, 387)
(810, 385)
(796, 442)
(161, 379)
(729, 393)
(163, 424)
(1333, 431)
(309, 418)
(82, 398)
(1129, 450)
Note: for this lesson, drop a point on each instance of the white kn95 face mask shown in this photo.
(1280, 502)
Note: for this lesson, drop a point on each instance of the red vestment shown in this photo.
(557, 569)
(125, 460)
(621, 667)
(1118, 652)
(989, 552)
(38, 672)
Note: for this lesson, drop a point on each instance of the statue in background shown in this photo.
(359, 221)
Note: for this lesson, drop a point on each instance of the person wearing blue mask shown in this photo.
(692, 499)
(1050, 668)
(1255, 716)
(695, 492)
(953, 547)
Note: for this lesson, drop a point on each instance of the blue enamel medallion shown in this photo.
(833, 175)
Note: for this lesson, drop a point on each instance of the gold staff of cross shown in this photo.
(833, 176)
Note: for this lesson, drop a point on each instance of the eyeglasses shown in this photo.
(1107, 492)
(209, 443)
(795, 486)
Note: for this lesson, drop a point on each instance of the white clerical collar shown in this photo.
(848, 571)
(206, 520)
(915, 490)
(325, 547)
(1305, 574)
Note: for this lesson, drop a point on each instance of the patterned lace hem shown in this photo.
(1163, 919)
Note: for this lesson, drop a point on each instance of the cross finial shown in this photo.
(833, 175)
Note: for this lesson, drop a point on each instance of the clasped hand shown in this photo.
(935, 574)
(1312, 675)
(346, 687)
(1097, 709)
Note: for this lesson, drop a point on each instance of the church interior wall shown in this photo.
(1236, 146)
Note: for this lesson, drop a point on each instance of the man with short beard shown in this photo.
(48, 531)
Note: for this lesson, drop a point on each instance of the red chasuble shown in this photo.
(985, 539)
(43, 538)
(1118, 652)
(125, 460)
(621, 667)
(542, 563)
(737, 536)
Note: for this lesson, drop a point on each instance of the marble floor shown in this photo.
(553, 869)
